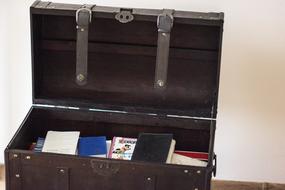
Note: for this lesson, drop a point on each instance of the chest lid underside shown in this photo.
(122, 60)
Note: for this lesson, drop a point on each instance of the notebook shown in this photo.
(152, 147)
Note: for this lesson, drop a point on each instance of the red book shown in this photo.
(198, 155)
(32, 146)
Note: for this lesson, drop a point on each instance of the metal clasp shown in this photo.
(83, 9)
(124, 16)
(165, 21)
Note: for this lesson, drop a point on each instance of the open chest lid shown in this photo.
(136, 60)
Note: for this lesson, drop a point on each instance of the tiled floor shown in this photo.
(217, 185)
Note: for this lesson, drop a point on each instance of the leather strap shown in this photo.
(164, 25)
(83, 18)
(63, 178)
(150, 183)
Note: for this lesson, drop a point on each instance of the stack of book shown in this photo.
(148, 147)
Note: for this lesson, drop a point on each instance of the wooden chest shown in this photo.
(119, 72)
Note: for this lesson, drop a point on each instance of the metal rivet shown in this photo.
(82, 29)
(17, 175)
(15, 155)
(80, 77)
(160, 83)
(28, 157)
(198, 172)
(164, 34)
(149, 179)
(186, 171)
(61, 170)
(196, 189)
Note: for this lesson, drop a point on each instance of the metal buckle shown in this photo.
(165, 21)
(83, 9)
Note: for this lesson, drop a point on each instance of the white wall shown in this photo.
(4, 90)
(15, 65)
(250, 132)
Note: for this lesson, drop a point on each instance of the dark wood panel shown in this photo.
(179, 53)
(136, 32)
(109, 174)
(127, 80)
(121, 65)
(216, 184)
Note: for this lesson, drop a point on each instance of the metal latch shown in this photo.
(124, 16)
(164, 25)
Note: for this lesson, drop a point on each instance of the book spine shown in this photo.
(112, 147)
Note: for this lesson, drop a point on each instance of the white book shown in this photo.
(61, 142)
(108, 142)
(184, 160)
(171, 151)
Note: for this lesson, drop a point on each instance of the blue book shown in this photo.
(92, 146)
(39, 145)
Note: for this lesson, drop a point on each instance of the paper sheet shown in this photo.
(183, 160)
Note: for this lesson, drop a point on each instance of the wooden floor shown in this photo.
(217, 185)
(232, 185)
(2, 184)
